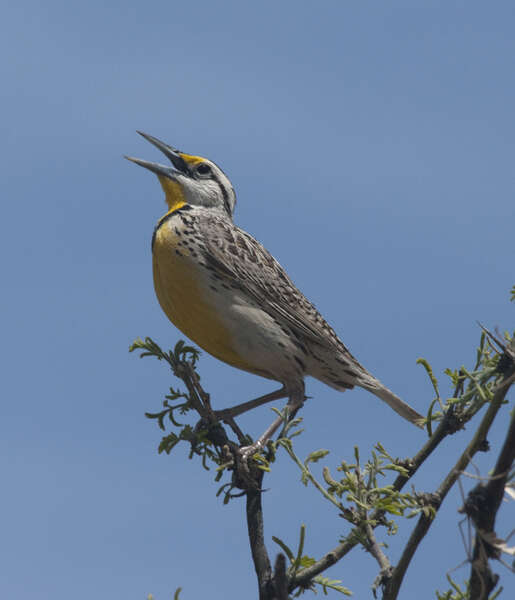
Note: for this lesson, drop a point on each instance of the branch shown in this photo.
(256, 538)
(486, 501)
(274, 585)
(448, 425)
(280, 578)
(424, 523)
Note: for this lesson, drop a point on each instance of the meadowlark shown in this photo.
(228, 294)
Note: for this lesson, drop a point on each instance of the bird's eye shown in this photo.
(203, 169)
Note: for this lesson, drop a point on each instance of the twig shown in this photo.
(236, 430)
(424, 522)
(303, 578)
(447, 426)
(201, 402)
(375, 549)
(384, 564)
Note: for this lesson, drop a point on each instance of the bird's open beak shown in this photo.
(171, 153)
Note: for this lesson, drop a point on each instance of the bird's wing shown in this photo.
(243, 261)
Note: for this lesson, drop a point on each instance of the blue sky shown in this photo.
(371, 147)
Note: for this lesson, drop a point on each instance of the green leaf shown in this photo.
(300, 549)
(392, 509)
(454, 375)
(402, 470)
(429, 417)
(307, 561)
(382, 451)
(284, 547)
(137, 344)
(429, 370)
(333, 584)
(316, 456)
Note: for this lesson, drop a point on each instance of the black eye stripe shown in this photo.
(225, 195)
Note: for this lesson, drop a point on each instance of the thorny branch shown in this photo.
(483, 503)
(272, 586)
(256, 538)
(424, 522)
(276, 584)
(448, 425)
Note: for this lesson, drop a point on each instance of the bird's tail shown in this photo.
(399, 406)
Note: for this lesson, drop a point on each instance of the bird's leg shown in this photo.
(295, 402)
(235, 411)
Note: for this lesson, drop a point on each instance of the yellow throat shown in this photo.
(174, 195)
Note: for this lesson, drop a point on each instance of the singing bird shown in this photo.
(228, 294)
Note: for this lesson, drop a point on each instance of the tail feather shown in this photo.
(345, 372)
(393, 401)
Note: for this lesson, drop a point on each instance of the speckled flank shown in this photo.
(181, 289)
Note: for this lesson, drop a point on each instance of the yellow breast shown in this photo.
(184, 295)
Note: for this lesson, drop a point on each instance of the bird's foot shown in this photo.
(247, 452)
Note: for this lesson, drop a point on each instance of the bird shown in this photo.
(223, 289)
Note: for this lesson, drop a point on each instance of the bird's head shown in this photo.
(192, 179)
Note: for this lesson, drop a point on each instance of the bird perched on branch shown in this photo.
(228, 294)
